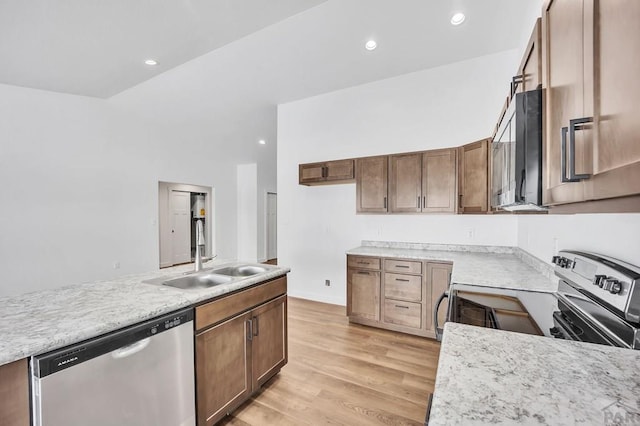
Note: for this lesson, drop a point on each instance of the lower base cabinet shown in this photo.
(395, 294)
(14, 394)
(237, 352)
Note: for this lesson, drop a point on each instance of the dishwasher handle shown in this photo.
(435, 315)
(131, 349)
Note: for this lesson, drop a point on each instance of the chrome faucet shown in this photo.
(199, 243)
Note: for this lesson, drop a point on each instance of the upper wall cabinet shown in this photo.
(590, 69)
(423, 182)
(473, 177)
(405, 183)
(439, 181)
(530, 71)
(371, 184)
(329, 172)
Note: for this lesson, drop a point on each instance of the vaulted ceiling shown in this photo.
(224, 65)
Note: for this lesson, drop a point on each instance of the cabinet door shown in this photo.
(363, 294)
(616, 157)
(439, 186)
(371, 184)
(473, 172)
(310, 173)
(531, 67)
(222, 368)
(14, 393)
(339, 170)
(564, 80)
(269, 340)
(405, 183)
(438, 280)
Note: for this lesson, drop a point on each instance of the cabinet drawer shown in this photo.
(403, 313)
(225, 307)
(363, 262)
(403, 287)
(403, 266)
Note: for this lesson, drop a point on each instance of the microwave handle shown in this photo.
(435, 315)
(523, 182)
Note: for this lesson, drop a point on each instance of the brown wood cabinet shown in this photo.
(405, 183)
(439, 181)
(423, 182)
(269, 341)
(241, 342)
(363, 288)
(395, 294)
(530, 70)
(438, 279)
(473, 177)
(223, 368)
(328, 172)
(372, 184)
(589, 73)
(14, 394)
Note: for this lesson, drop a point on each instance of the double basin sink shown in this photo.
(211, 277)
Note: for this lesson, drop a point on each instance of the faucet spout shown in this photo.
(199, 244)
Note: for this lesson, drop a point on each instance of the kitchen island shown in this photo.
(38, 322)
(488, 376)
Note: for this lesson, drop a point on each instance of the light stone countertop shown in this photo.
(488, 266)
(38, 322)
(488, 376)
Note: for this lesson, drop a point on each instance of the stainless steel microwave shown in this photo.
(516, 181)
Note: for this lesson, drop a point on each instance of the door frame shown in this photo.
(266, 224)
(165, 249)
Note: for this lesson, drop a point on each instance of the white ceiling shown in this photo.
(98, 47)
(226, 64)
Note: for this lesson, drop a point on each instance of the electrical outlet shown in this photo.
(116, 265)
(327, 283)
(471, 233)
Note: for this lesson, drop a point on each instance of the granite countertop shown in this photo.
(488, 376)
(37, 322)
(488, 266)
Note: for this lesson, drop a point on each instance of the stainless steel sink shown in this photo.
(198, 281)
(241, 271)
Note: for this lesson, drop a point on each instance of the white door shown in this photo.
(272, 240)
(181, 226)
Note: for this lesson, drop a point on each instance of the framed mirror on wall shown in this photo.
(186, 222)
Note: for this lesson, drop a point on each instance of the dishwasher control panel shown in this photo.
(44, 365)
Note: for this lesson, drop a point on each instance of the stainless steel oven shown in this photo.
(598, 301)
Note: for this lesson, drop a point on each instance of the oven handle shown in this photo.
(435, 315)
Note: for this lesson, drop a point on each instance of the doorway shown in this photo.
(185, 212)
(272, 228)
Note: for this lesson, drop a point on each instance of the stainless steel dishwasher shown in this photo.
(138, 376)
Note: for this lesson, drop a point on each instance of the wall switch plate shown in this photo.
(327, 283)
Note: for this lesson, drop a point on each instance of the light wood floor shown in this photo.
(344, 374)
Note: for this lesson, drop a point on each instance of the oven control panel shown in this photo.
(610, 280)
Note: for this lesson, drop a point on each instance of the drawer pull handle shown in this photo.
(362, 262)
(362, 273)
(402, 266)
(401, 306)
(402, 279)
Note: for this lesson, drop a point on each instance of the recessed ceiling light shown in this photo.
(458, 18)
(151, 62)
(370, 45)
(262, 142)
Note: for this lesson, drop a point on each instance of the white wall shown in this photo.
(615, 235)
(436, 108)
(80, 188)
